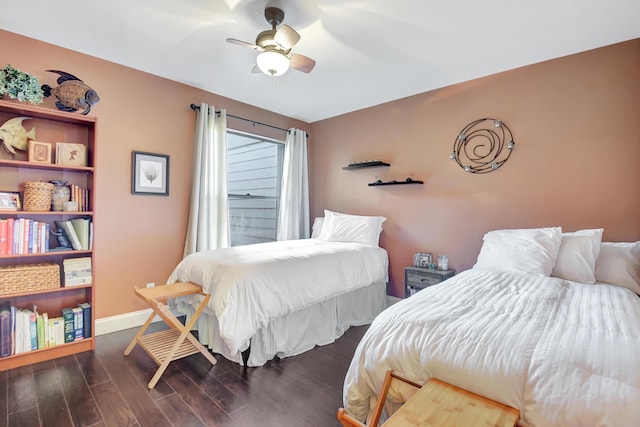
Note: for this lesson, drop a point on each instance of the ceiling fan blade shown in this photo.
(245, 44)
(286, 37)
(302, 63)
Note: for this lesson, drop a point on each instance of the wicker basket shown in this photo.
(37, 196)
(16, 279)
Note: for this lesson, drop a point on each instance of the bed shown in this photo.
(551, 328)
(283, 298)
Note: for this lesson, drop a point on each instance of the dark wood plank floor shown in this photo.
(104, 388)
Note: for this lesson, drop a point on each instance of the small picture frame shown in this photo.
(423, 259)
(149, 173)
(39, 152)
(71, 154)
(10, 201)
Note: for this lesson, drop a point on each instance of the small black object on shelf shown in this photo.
(394, 182)
(365, 164)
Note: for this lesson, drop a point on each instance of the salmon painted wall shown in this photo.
(138, 239)
(575, 122)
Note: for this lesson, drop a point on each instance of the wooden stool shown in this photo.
(438, 404)
(173, 343)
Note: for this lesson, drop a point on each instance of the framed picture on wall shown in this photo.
(149, 173)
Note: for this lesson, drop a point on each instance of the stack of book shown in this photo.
(79, 232)
(80, 195)
(77, 271)
(23, 330)
(23, 236)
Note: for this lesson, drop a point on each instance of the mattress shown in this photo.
(562, 352)
(252, 286)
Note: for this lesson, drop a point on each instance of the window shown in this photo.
(254, 173)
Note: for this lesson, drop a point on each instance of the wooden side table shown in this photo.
(437, 404)
(176, 342)
(418, 278)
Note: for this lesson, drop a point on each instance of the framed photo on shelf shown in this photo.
(39, 152)
(149, 173)
(70, 154)
(10, 201)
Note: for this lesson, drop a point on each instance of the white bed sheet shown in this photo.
(252, 285)
(563, 353)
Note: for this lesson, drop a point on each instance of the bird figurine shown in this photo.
(73, 94)
(14, 136)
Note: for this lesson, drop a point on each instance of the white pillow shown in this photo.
(339, 227)
(316, 229)
(529, 250)
(619, 264)
(577, 256)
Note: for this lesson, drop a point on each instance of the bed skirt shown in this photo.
(297, 332)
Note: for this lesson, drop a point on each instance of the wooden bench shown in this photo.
(176, 342)
(438, 404)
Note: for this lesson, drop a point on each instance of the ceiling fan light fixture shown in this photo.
(272, 63)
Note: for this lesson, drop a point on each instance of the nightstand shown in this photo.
(417, 278)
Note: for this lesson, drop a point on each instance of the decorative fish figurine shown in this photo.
(72, 93)
(14, 136)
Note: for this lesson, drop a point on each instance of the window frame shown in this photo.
(279, 173)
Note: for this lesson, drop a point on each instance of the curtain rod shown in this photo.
(195, 107)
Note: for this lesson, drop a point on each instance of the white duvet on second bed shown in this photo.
(563, 353)
(255, 284)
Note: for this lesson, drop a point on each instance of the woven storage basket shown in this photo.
(37, 196)
(29, 277)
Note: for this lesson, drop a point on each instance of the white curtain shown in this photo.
(208, 226)
(293, 218)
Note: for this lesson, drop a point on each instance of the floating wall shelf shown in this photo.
(374, 184)
(366, 164)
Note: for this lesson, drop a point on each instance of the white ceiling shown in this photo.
(367, 51)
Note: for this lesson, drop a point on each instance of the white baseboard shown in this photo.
(120, 322)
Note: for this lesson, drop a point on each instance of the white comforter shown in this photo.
(254, 284)
(563, 353)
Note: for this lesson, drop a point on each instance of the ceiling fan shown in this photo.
(275, 45)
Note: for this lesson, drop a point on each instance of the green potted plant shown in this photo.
(20, 85)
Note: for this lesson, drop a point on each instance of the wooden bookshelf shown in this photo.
(51, 126)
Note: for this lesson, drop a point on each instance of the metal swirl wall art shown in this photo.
(480, 146)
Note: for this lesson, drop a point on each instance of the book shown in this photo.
(4, 228)
(18, 332)
(77, 271)
(70, 232)
(5, 329)
(33, 331)
(86, 319)
(78, 323)
(14, 314)
(9, 242)
(45, 324)
(56, 332)
(51, 337)
(69, 326)
(40, 331)
(81, 227)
